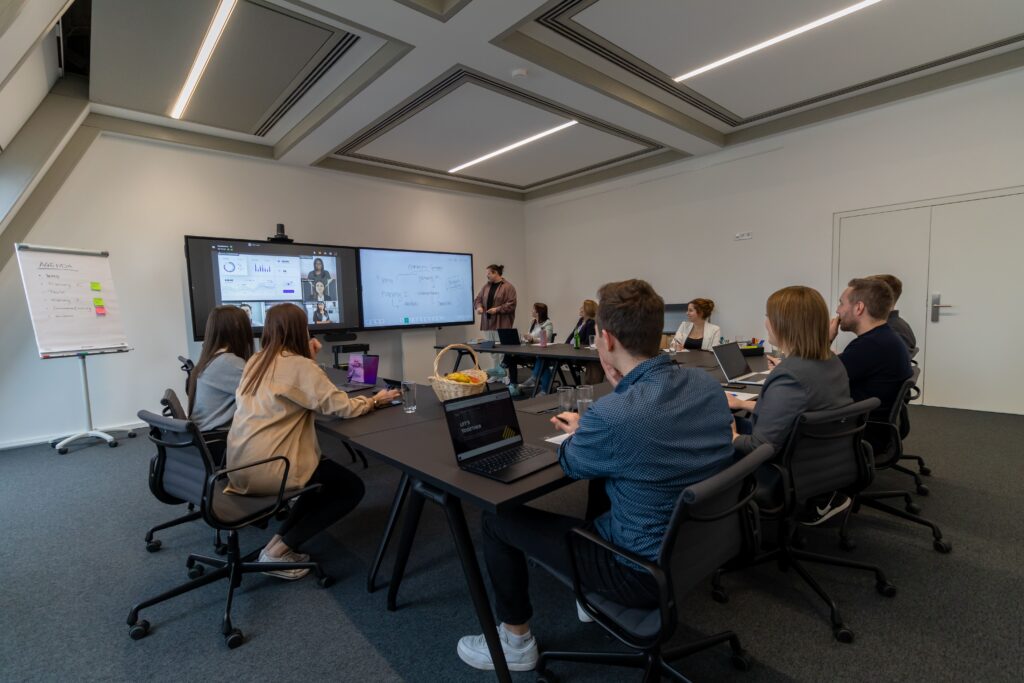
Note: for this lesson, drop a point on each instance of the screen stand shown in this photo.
(91, 432)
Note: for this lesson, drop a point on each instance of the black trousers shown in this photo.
(510, 537)
(339, 493)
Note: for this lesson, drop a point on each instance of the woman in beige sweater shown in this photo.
(281, 391)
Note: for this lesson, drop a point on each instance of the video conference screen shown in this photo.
(415, 288)
(256, 276)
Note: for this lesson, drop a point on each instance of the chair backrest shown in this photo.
(887, 438)
(826, 452)
(172, 406)
(183, 462)
(187, 366)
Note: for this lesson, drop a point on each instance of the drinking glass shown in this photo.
(566, 399)
(584, 398)
(592, 341)
(673, 347)
(409, 397)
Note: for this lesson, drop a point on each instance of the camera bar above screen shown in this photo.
(256, 276)
(402, 288)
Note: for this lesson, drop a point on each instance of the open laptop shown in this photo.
(487, 440)
(362, 372)
(509, 336)
(734, 365)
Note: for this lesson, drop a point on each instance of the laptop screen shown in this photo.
(508, 336)
(731, 359)
(482, 423)
(363, 368)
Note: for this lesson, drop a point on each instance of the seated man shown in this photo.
(900, 326)
(663, 428)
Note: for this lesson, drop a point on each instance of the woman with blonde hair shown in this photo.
(281, 391)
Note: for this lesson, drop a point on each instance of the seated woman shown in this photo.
(211, 386)
(584, 327)
(282, 389)
(539, 321)
(810, 378)
(696, 333)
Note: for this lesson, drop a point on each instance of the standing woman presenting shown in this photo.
(496, 303)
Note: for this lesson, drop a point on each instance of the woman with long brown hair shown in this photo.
(212, 384)
(282, 390)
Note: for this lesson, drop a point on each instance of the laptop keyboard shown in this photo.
(504, 459)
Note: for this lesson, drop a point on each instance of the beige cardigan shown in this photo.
(278, 420)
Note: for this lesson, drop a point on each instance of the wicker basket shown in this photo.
(446, 389)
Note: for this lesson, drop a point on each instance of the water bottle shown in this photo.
(576, 339)
(543, 337)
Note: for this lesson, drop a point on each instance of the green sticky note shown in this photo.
(97, 302)
(95, 286)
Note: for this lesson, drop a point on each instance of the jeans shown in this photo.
(544, 381)
(339, 493)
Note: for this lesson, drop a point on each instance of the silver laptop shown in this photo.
(734, 365)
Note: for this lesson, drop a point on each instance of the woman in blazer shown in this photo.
(696, 332)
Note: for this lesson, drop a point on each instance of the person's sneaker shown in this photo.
(817, 514)
(583, 616)
(295, 556)
(528, 384)
(521, 652)
(289, 574)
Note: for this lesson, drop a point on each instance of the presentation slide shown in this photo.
(415, 288)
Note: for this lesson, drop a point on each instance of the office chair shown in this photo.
(824, 453)
(888, 445)
(922, 468)
(187, 472)
(706, 530)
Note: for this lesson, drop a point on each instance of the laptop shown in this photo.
(509, 336)
(734, 365)
(362, 372)
(487, 440)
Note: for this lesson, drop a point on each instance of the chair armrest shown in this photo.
(249, 519)
(744, 467)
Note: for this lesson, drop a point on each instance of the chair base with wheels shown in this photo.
(873, 499)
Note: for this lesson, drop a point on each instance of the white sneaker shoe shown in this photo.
(289, 574)
(521, 656)
(583, 616)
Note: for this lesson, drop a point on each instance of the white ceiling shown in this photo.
(607, 63)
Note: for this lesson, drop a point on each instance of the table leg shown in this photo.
(389, 529)
(458, 359)
(475, 580)
(412, 520)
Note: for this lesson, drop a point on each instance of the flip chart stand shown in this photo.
(91, 431)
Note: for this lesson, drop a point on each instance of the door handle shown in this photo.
(936, 305)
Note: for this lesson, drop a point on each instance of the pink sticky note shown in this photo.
(101, 310)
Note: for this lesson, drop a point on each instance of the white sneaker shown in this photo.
(583, 616)
(521, 657)
(289, 574)
(836, 504)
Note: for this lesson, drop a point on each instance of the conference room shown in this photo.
(553, 340)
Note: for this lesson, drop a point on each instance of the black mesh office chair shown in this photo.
(825, 453)
(922, 468)
(706, 530)
(887, 443)
(186, 471)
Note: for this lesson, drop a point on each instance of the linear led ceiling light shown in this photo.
(527, 141)
(213, 34)
(778, 39)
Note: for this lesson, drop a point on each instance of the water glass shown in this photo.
(673, 347)
(409, 397)
(592, 341)
(566, 399)
(584, 397)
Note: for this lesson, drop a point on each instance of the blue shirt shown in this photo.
(662, 429)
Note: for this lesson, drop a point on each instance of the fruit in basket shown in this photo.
(461, 378)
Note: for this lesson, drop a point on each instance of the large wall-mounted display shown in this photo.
(415, 288)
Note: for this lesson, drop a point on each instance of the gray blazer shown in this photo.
(795, 386)
(215, 392)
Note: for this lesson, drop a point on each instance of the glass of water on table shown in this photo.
(584, 398)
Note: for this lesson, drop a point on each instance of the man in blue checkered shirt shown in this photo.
(662, 429)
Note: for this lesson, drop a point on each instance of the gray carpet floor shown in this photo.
(72, 562)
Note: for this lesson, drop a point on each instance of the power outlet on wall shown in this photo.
(743, 236)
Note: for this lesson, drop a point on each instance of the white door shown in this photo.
(974, 345)
(893, 242)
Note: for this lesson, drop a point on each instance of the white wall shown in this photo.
(675, 226)
(137, 199)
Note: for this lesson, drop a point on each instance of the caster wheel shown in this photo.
(913, 508)
(220, 549)
(719, 596)
(847, 543)
(154, 545)
(132, 435)
(234, 639)
(925, 471)
(325, 581)
(196, 571)
(942, 546)
(112, 444)
(139, 630)
(741, 661)
(843, 634)
(63, 451)
(885, 588)
(923, 490)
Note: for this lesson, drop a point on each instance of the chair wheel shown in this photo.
(741, 661)
(139, 630)
(885, 588)
(942, 546)
(154, 545)
(196, 571)
(234, 639)
(132, 435)
(112, 444)
(843, 634)
(913, 508)
(847, 543)
(325, 581)
(925, 470)
(922, 490)
(63, 451)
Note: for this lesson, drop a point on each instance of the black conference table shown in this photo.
(419, 446)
